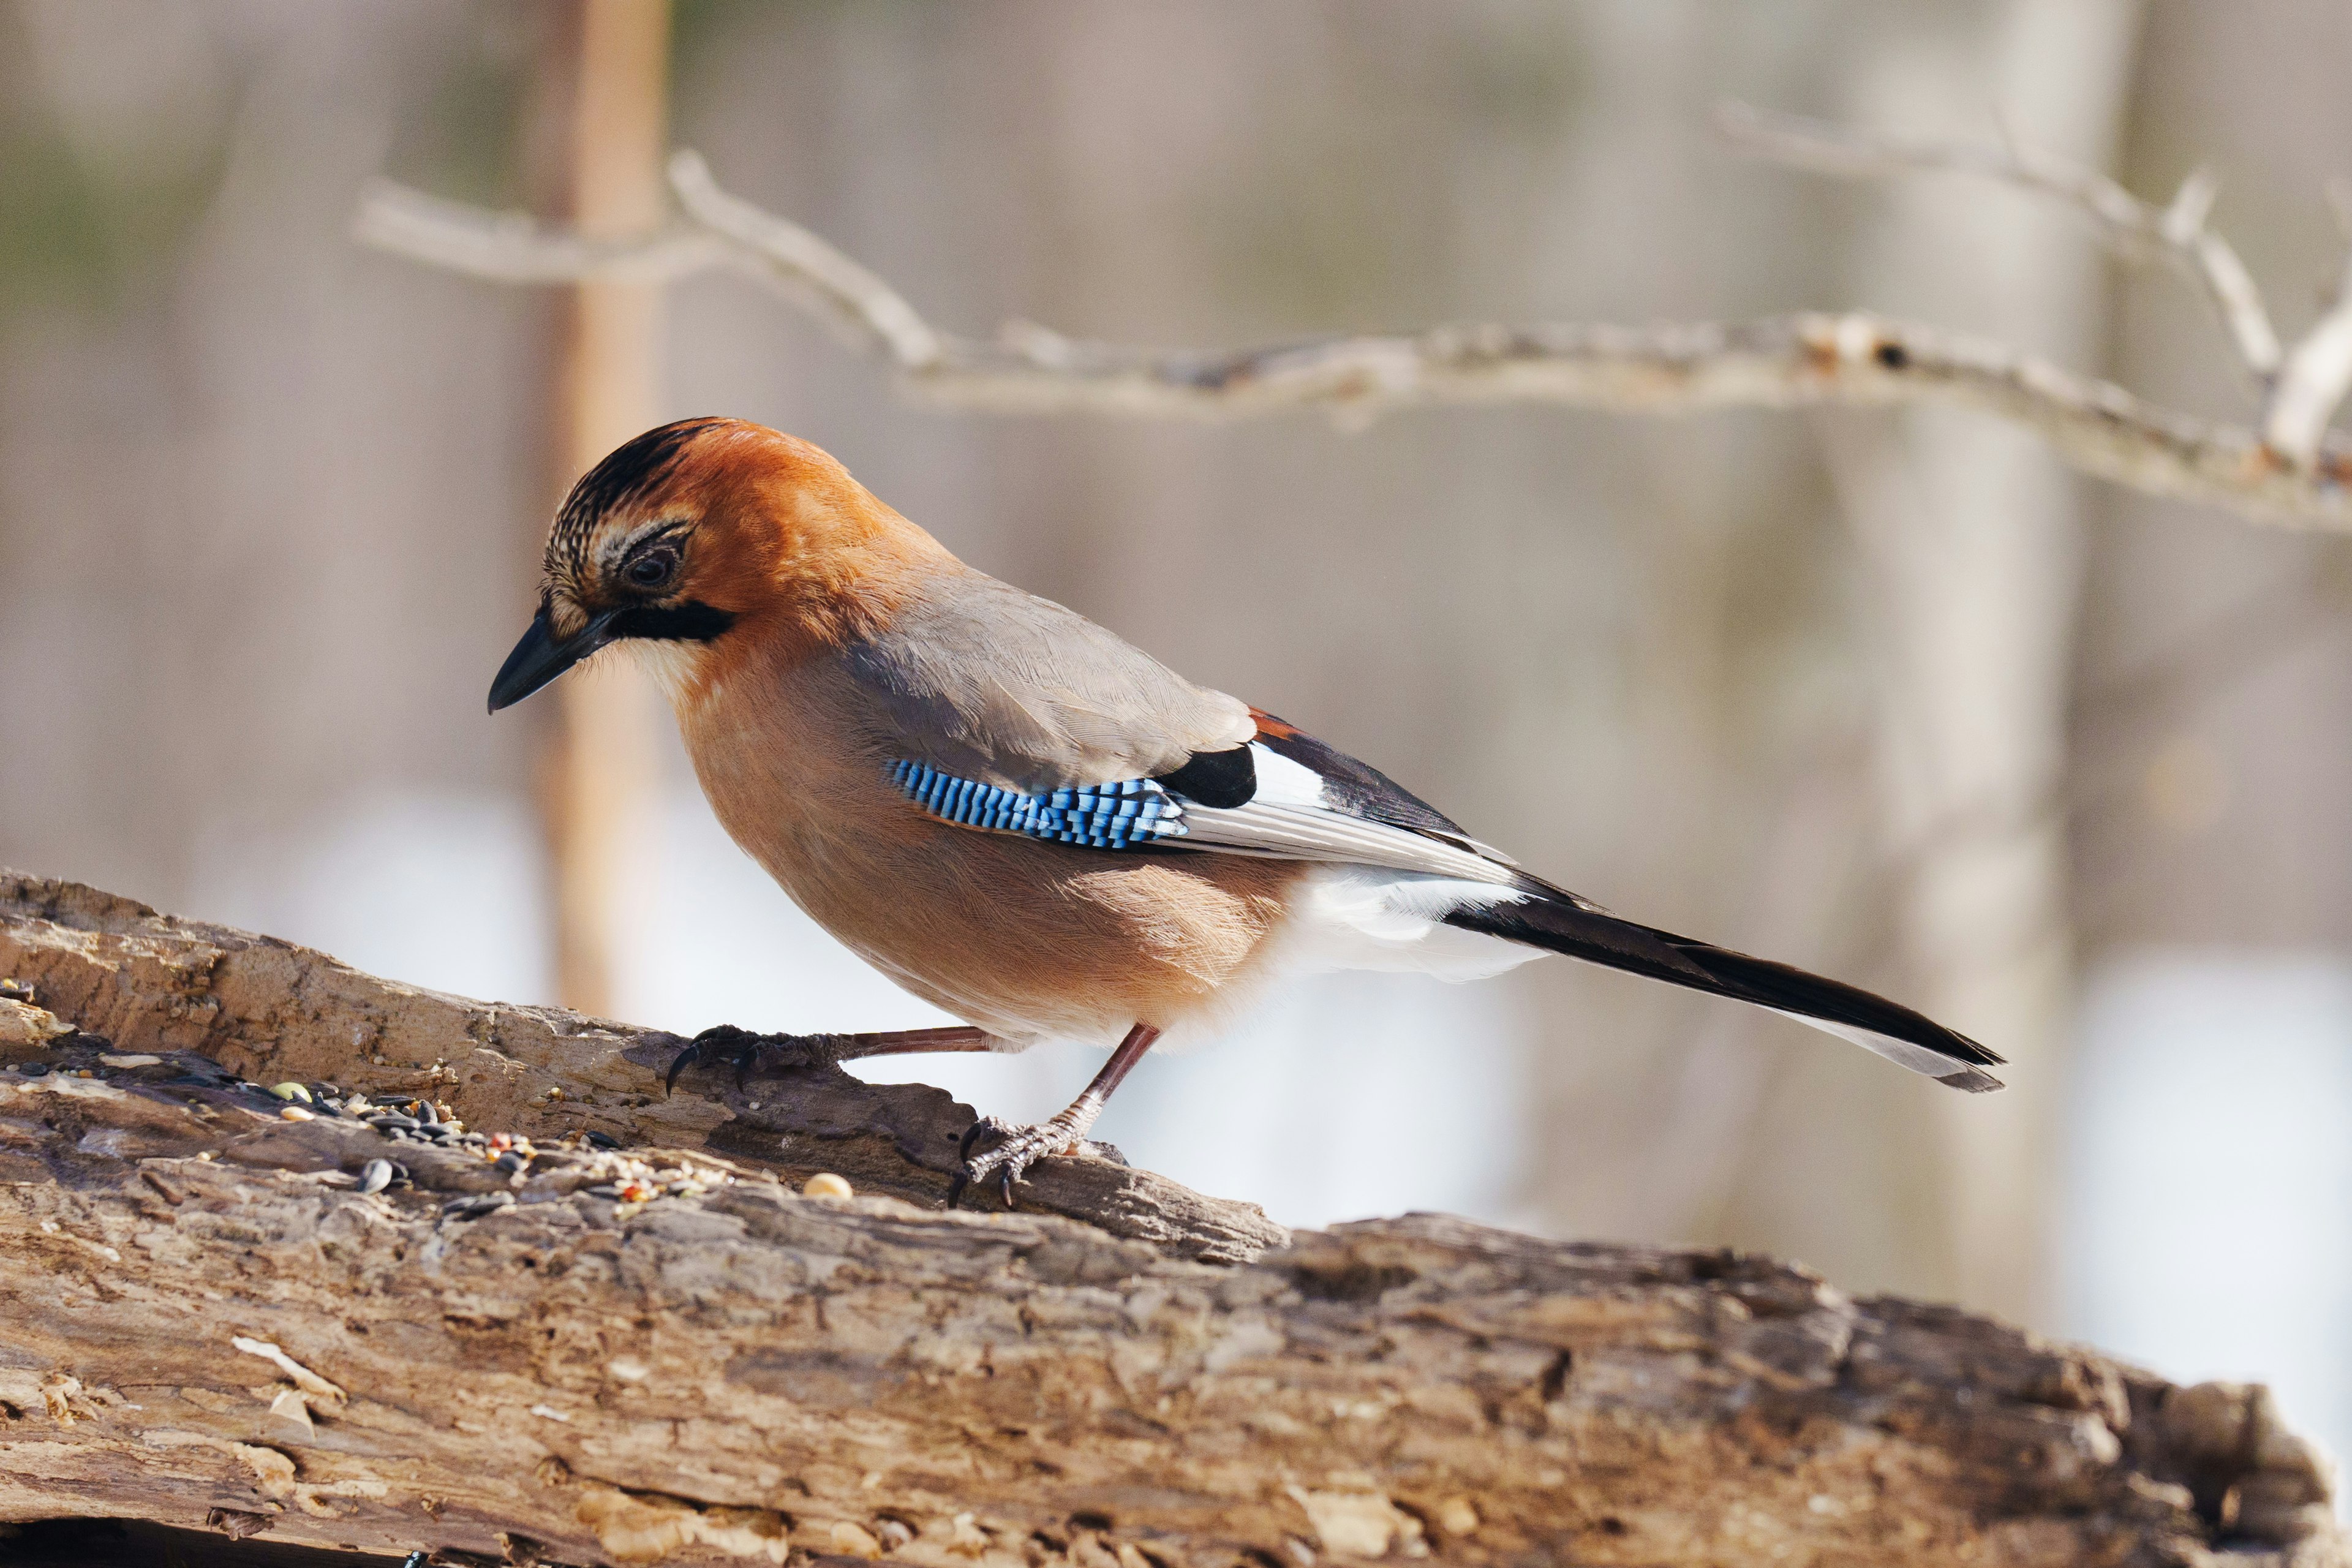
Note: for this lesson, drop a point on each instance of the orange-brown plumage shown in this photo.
(1025, 819)
(785, 540)
(1018, 937)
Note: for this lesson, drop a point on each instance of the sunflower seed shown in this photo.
(375, 1175)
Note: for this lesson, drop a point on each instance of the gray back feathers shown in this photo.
(979, 680)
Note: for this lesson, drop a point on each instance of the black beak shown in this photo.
(539, 659)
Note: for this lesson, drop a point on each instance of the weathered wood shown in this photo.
(202, 1316)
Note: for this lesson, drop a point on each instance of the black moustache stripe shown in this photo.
(693, 621)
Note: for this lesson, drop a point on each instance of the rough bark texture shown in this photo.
(668, 1353)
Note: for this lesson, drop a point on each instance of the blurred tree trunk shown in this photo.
(606, 92)
(1969, 544)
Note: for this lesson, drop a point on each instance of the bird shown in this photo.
(1026, 820)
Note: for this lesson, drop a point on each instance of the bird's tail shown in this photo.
(1558, 922)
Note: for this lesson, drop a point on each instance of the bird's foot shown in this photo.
(1012, 1148)
(744, 1049)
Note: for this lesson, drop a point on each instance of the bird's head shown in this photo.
(699, 540)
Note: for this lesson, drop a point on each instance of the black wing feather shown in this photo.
(1355, 788)
(1221, 779)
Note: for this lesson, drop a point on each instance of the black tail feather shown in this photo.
(1558, 922)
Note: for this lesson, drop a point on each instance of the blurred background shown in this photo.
(1889, 694)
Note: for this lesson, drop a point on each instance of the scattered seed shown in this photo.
(1456, 1516)
(825, 1184)
(603, 1190)
(602, 1139)
(555, 1093)
(15, 990)
(290, 1091)
(375, 1175)
(34, 1069)
(851, 1541)
(394, 1120)
(511, 1162)
(295, 1113)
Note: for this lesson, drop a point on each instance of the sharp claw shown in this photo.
(963, 1145)
(1004, 1183)
(687, 1054)
(956, 1187)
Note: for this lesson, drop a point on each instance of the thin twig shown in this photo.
(2176, 234)
(2318, 372)
(2301, 385)
(797, 261)
(1778, 363)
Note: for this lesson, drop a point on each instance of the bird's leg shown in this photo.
(742, 1048)
(1018, 1148)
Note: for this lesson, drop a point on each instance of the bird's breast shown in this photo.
(1025, 938)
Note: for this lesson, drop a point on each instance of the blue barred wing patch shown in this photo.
(1102, 817)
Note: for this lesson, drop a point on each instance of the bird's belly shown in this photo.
(1036, 940)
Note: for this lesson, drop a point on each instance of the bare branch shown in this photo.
(2317, 373)
(512, 248)
(1778, 363)
(792, 258)
(2175, 235)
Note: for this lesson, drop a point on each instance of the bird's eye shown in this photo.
(654, 569)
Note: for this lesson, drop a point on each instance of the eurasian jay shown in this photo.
(1021, 817)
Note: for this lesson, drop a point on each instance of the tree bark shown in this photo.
(666, 1352)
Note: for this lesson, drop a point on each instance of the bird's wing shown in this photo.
(1161, 766)
(1305, 801)
(984, 683)
(1001, 711)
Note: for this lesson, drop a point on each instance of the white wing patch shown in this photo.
(1290, 819)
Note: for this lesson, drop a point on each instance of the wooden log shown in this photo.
(665, 1352)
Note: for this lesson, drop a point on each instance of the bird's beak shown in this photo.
(539, 657)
